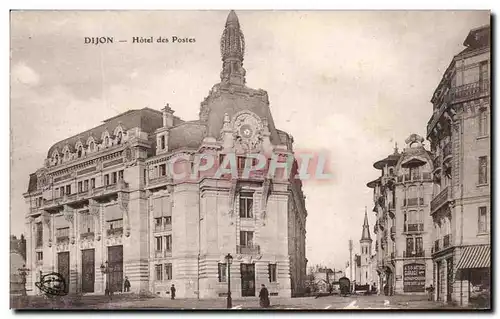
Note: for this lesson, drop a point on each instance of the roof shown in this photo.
(365, 235)
(478, 37)
(374, 183)
(148, 120)
(186, 135)
(390, 160)
(32, 183)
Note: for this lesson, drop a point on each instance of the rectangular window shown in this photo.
(39, 235)
(409, 245)
(39, 256)
(87, 223)
(115, 224)
(61, 191)
(86, 185)
(419, 246)
(159, 243)
(92, 183)
(272, 272)
(168, 271)
(246, 238)
(145, 176)
(158, 222)
(222, 272)
(120, 175)
(483, 123)
(68, 189)
(162, 142)
(163, 169)
(80, 187)
(62, 232)
(483, 71)
(113, 178)
(168, 243)
(482, 225)
(483, 170)
(159, 272)
(168, 220)
(246, 201)
(106, 179)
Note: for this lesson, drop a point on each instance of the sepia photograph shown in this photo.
(250, 160)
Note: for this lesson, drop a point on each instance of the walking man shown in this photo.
(126, 285)
(264, 297)
(172, 292)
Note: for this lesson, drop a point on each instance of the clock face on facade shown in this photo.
(246, 131)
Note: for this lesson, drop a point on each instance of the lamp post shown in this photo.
(105, 271)
(23, 273)
(229, 260)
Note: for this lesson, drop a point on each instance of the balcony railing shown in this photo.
(470, 91)
(447, 150)
(409, 254)
(446, 241)
(89, 235)
(163, 253)
(436, 245)
(62, 239)
(439, 200)
(248, 250)
(424, 176)
(115, 231)
(413, 227)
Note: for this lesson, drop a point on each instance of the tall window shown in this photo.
(113, 178)
(106, 179)
(92, 183)
(106, 141)
(68, 189)
(163, 169)
(91, 146)
(168, 242)
(482, 225)
(162, 142)
(86, 185)
(80, 187)
(246, 238)
(483, 170)
(409, 245)
(168, 271)
(87, 223)
(159, 243)
(222, 272)
(419, 246)
(272, 272)
(119, 138)
(39, 235)
(246, 201)
(39, 255)
(483, 71)
(120, 175)
(415, 172)
(159, 272)
(483, 123)
(61, 191)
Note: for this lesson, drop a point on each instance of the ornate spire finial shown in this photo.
(365, 236)
(395, 147)
(232, 49)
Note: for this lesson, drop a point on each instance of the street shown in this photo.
(326, 303)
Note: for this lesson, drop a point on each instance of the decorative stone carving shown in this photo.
(247, 132)
(123, 199)
(232, 195)
(266, 187)
(95, 210)
(69, 215)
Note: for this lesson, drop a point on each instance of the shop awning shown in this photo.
(477, 256)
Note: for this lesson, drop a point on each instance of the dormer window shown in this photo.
(80, 151)
(106, 141)
(162, 142)
(119, 138)
(91, 146)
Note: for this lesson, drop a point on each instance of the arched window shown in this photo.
(80, 151)
(119, 138)
(56, 157)
(106, 141)
(91, 146)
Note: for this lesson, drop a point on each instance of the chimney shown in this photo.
(168, 116)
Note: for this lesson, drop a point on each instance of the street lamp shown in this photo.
(23, 273)
(229, 260)
(105, 271)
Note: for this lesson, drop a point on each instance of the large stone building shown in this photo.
(402, 196)
(109, 203)
(459, 131)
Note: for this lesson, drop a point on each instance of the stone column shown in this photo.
(445, 278)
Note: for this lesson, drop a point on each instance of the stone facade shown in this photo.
(109, 203)
(459, 131)
(402, 196)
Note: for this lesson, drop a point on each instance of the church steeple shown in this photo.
(232, 49)
(365, 236)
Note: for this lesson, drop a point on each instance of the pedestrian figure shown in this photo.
(430, 290)
(172, 292)
(264, 297)
(126, 284)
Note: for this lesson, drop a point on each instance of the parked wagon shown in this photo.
(345, 286)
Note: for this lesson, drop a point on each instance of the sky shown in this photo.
(348, 83)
